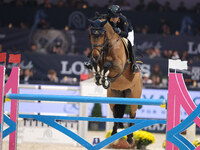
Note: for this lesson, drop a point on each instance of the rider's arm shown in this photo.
(124, 27)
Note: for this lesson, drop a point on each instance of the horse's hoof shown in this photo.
(113, 132)
(97, 83)
(97, 79)
(130, 140)
(106, 84)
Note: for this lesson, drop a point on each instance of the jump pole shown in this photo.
(178, 93)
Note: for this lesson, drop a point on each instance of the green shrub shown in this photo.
(96, 111)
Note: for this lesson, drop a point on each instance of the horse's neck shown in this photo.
(110, 32)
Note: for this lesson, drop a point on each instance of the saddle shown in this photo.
(127, 47)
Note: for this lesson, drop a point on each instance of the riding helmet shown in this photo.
(114, 11)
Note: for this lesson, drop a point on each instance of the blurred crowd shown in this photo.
(155, 78)
(28, 76)
(188, 25)
(153, 5)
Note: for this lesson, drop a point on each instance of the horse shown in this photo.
(112, 69)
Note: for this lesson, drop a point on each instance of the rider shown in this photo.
(124, 29)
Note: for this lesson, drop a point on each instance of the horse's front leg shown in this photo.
(104, 73)
(96, 70)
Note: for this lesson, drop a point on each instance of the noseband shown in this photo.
(97, 32)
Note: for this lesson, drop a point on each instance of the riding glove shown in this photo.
(117, 30)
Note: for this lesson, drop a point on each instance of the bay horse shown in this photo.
(112, 69)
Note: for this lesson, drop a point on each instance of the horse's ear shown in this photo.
(91, 21)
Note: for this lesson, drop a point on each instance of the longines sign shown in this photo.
(73, 66)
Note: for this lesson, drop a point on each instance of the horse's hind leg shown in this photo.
(130, 136)
(133, 93)
(118, 112)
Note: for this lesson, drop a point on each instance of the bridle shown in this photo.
(97, 32)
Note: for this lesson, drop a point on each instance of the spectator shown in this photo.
(156, 75)
(157, 52)
(43, 24)
(61, 3)
(196, 9)
(165, 30)
(137, 29)
(153, 52)
(73, 53)
(57, 49)
(87, 52)
(146, 79)
(110, 3)
(181, 7)
(21, 75)
(148, 51)
(125, 5)
(47, 4)
(184, 55)
(141, 6)
(28, 76)
(23, 25)
(165, 54)
(187, 26)
(1, 48)
(167, 7)
(19, 3)
(170, 52)
(163, 26)
(52, 76)
(175, 55)
(33, 48)
(31, 3)
(145, 29)
(69, 80)
(153, 6)
(72, 3)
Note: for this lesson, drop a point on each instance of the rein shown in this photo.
(112, 79)
(94, 46)
(102, 51)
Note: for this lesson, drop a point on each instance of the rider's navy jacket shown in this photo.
(122, 24)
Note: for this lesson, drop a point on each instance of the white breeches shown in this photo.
(131, 37)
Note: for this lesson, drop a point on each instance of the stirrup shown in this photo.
(135, 68)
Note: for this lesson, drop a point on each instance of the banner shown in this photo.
(73, 66)
(70, 41)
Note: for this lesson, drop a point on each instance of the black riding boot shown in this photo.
(134, 65)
